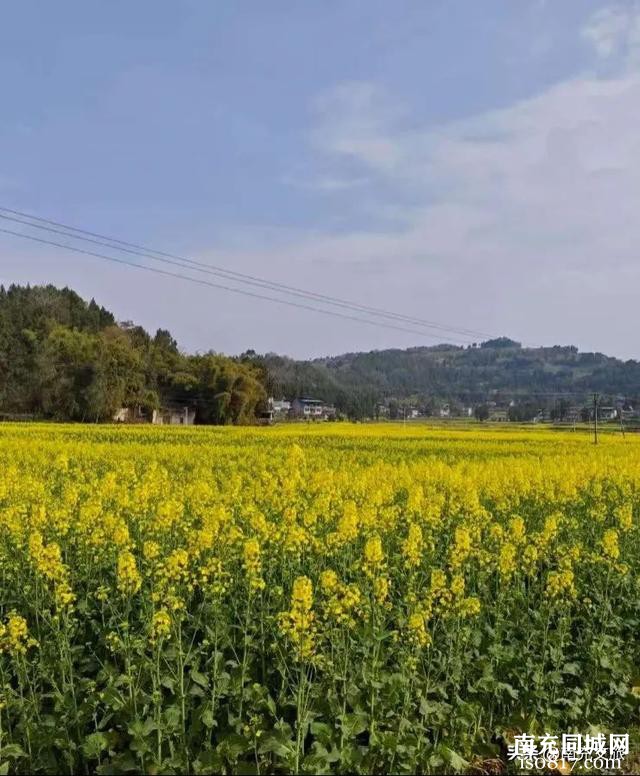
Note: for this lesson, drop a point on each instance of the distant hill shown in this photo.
(498, 370)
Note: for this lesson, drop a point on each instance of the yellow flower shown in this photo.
(560, 584)
(610, 544)
(517, 529)
(213, 577)
(328, 581)
(161, 625)
(507, 560)
(413, 545)
(129, 580)
(253, 564)
(151, 550)
(461, 547)
(14, 635)
(624, 516)
(457, 586)
(381, 589)
(418, 633)
(469, 607)
(298, 623)
(348, 525)
(373, 555)
(341, 601)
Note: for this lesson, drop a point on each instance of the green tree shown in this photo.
(481, 412)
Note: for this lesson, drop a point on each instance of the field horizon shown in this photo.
(312, 598)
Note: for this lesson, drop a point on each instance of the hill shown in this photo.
(498, 370)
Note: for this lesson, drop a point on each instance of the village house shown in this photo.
(311, 409)
(168, 415)
(174, 415)
(279, 408)
(573, 414)
(131, 415)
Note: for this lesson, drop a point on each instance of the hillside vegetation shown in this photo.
(64, 358)
(497, 369)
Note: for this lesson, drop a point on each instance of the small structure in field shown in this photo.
(279, 408)
(135, 414)
(311, 409)
(174, 415)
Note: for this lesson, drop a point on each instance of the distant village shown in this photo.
(494, 412)
(313, 409)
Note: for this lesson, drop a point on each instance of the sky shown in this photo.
(471, 164)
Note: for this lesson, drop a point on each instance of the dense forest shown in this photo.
(500, 370)
(64, 358)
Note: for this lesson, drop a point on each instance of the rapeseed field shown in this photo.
(322, 599)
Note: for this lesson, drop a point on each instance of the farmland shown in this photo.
(337, 598)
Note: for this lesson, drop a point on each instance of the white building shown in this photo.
(174, 415)
(279, 407)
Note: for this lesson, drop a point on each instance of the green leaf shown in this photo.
(14, 751)
(233, 745)
(458, 763)
(199, 679)
(274, 745)
(322, 731)
(94, 745)
(208, 718)
(209, 762)
(168, 682)
(354, 724)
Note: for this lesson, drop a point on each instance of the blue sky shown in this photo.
(474, 164)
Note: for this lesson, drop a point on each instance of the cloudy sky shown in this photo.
(471, 164)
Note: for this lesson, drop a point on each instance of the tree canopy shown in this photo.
(64, 358)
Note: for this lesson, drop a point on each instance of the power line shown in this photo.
(185, 263)
(200, 281)
(222, 273)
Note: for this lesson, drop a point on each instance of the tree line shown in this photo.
(66, 359)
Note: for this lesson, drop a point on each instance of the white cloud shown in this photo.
(615, 30)
(324, 183)
(558, 171)
(525, 216)
(351, 120)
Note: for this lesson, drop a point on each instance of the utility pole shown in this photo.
(595, 418)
